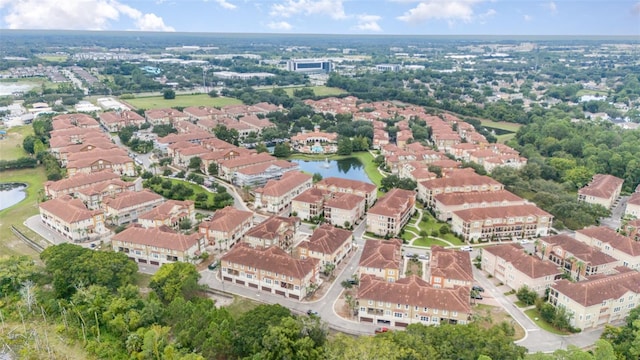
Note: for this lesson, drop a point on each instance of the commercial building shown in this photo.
(310, 65)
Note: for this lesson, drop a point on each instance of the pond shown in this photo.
(349, 168)
(11, 194)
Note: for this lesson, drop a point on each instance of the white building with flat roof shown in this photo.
(310, 65)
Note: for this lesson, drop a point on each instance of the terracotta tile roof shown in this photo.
(269, 229)
(381, 254)
(85, 159)
(227, 219)
(602, 186)
(344, 201)
(312, 195)
(193, 135)
(450, 264)
(248, 160)
(326, 239)
(600, 288)
(158, 238)
(202, 111)
(529, 265)
(634, 199)
(578, 249)
(78, 120)
(478, 197)
(259, 168)
(127, 116)
(217, 144)
(414, 291)
(502, 212)
(314, 134)
(165, 210)
(346, 184)
(395, 202)
(68, 209)
(271, 259)
(106, 186)
(127, 199)
(81, 180)
(462, 179)
(607, 235)
(289, 181)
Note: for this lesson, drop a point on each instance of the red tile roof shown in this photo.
(158, 238)
(529, 265)
(326, 239)
(600, 288)
(381, 254)
(289, 181)
(227, 219)
(271, 259)
(395, 202)
(68, 209)
(450, 264)
(602, 186)
(607, 235)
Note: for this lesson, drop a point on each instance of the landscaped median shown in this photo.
(534, 315)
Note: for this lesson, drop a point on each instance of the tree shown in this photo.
(526, 295)
(175, 280)
(261, 148)
(14, 272)
(253, 325)
(169, 94)
(213, 169)
(345, 147)
(185, 224)
(316, 177)
(282, 150)
(28, 143)
(195, 162)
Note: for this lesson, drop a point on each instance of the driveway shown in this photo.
(617, 212)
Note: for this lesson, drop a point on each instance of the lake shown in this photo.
(11, 194)
(349, 168)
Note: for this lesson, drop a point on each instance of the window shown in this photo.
(445, 312)
(621, 299)
(363, 309)
(435, 311)
(434, 320)
(616, 309)
(424, 318)
(268, 281)
(370, 302)
(454, 313)
(398, 306)
(588, 317)
(397, 314)
(426, 309)
(296, 287)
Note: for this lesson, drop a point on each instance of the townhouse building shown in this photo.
(576, 258)
(203, 112)
(93, 161)
(511, 265)
(446, 203)
(274, 231)
(309, 204)
(77, 120)
(157, 246)
(449, 268)
(94, 143)
(226, 227)
(381, 258)
(328, 244)
(71, 185)
(70, 218)
(501, 223)
(271, 270)
(411, 300)
(344, 210)
(260, 174)
(169, 214)
(462, 181)
(94, 195)
(125, 207)
(114, 121)
(165, 116)
(360, 188)
(602, 190)
(276, 195)
(601, 300)
(621, 247)
(391, 213)
(633, 206)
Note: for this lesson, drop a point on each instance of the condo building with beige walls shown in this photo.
(381, 258)
(328, 244)
(276, 195)
(391, 213)
(226, 227)
(157, 246)
(602, 190)
(70, 218)
(623, 248)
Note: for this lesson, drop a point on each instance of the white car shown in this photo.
(524, 241)
(466, 248)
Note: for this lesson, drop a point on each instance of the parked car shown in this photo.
(475, 295)
(524, 241)
(466, 248)
(477, 288)
(408, 255)
(214, 265)
(423, 257)
(352, 282)
(381, 330)
(311, 312)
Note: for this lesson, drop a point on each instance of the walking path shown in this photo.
(417, 236)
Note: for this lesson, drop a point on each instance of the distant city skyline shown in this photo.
(401, 17)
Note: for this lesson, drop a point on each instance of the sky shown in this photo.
(404, 17)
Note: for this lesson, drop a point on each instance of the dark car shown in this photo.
(381, 330)
(476, 296)
(477, 288)
(214, 265)
(312, 312)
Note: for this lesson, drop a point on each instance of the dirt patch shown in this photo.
(342, 308)
(487, 316)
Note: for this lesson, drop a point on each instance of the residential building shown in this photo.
(125, 207)
(391, 213)
(157, 246)
(621, 247)
(344, 209)
(226, 227)
(260, 174)
(576, 258)
(463, 181)
(116, 120)
(449, 268)
(633, 206)
(601, 300)
(360, 188)
(602, 190)
(169, 214)
(71, 219)
(328, 244)
(411, 300)
(94, 195)
(276, 195)
(227, 168)
(309, 204)
(381, 258)
(274, 231)
(316, 142)
(509, 264)
(96, 160)
(69, 186)
(446, 203)
(271, 270)
(501, 223)
(165, 116)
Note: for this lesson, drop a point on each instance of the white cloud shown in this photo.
(527, 17)
(279, 25)
(635, 10)
(451, 10)
(368, 23)
(225, 4)
(482, 18)
(288, 8)
(76, 15)
(551, 6)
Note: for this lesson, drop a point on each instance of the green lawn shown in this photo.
(502, 125)
(590, 92)
(317, 90)
(429, 241)
(157, 102)
(533, 314)
(503, 139)
(53, 58)
(197, 189)
(433, 224)
(520, 304)
(18, 213)
(241, 305)
(35, 82)
(11, 145)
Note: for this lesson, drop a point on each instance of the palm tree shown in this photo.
(580, 266)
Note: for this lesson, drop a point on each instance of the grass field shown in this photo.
(428, 242)
(18, 213)
(53, 58)
(590, 92)
(502, 125)
(157, 102)
(35, 82)
(533, 314)
(318, 90)
(197, 189)
(11, 146)
(241, 305)
(432, 224)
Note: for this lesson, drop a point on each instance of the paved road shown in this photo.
(617, 213)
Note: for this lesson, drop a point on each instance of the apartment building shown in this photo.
(449, 268)
(114, 121)
(125, 207)
(411, 300)
(633, 206)
(165, 116)
(621, 247)
(274, 231)
(276, 195)
(391, 213)
(271, 270)
(70, 218)
(227, 168)
(602, 190)
(328, 244)
(462, 182)
(157, 246)
(576, 258)
(260, 174)
(381, 258)
(71, 185)
(309, 204)
(360, 188)
(501, 223)
(511, 265)
(226, 227)
(446, 203)
(93, 161)
(343, 209)
(169, 214)
(601, 300)
(94, 195)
